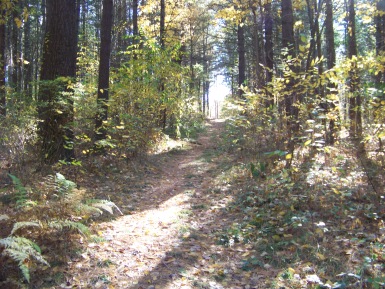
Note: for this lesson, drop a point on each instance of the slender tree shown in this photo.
(104, 69)
(331, 62)
(291, 96)
(14, 48)
(57, 74)
(27, 55)
(353, 81)
(135, 30)
(256, 50)
(288, 44)
(2, 64)
(241, 58)
(380, 37)
(269, 55)
(162, 32)
(162, 23)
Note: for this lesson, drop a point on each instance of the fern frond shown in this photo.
(21, 250)
(16, 255)
(87, 210)
(25, 271)
(19, 243)
(21, 194)
(20, 258)
(64, 186)
(4, 217)
(105, 205)
(61, 224)
(20, 225)
(14, 242)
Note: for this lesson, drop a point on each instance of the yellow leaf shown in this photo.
(320, 256)
(337, 192)
(25, 14)
(306, 246)
(276, 238)
(307, 142)
(319, 231)
(289, 156)
(291, 270)
(18, 22)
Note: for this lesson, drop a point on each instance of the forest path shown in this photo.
(166, 240)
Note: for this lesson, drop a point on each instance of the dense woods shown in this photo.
(90, 86)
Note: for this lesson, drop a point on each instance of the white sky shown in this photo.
(218, 90)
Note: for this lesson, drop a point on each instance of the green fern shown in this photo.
(87, 211)
(63, 185)
(21, 250)
(21, 194)
(76, 226)
(20, 225)
(104, 205)
(4, 217)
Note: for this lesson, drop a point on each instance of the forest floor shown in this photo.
(172, 209)
(213, 213)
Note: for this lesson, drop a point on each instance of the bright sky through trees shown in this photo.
(219, 90)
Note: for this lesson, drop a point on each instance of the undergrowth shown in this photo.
(55, 213)
(318, 221)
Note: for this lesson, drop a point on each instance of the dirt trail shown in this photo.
(166, 242)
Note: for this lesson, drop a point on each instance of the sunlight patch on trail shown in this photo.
(136, 244)
(195, 163)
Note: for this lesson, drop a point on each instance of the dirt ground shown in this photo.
(165, 237)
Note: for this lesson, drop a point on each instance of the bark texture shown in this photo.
(57, 73)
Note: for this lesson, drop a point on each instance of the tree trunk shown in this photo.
(2, 67)
(353, 81)
(162, 22)
(311, 54)
(104, 69)
(291, 97)
(241, 58)
(28, 64)
(331, 62)
(288, 44)
(269, 55)
(57, 74)
(162, 33)
(135, 29)
(256, 51)
(14, 50)
(380, 37)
